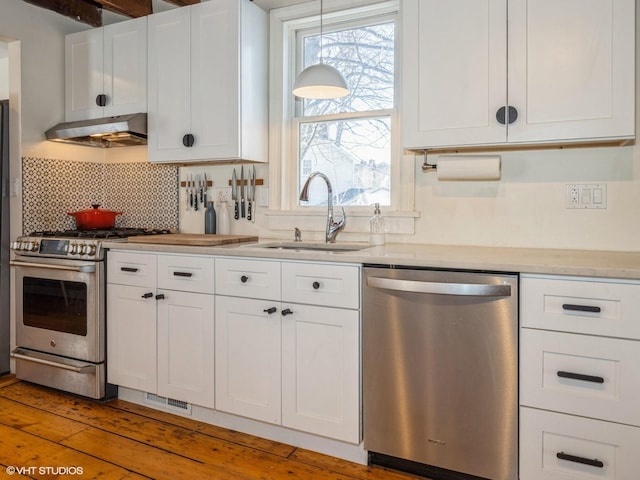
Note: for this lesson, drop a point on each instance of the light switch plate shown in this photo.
(586, 195)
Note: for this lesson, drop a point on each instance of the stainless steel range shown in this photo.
(60, 308)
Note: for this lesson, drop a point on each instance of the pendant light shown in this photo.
(320, 81)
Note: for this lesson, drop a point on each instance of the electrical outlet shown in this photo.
(586, 195)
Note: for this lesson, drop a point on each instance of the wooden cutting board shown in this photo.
(195, 239)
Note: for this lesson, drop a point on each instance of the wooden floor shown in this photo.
(48, 434)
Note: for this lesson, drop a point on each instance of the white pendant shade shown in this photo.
(320, 81)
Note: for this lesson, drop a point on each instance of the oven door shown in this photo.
(60, 307)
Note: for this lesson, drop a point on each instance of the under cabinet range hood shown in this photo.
(118, 131)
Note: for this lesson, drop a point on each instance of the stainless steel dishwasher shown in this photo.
(440, 363)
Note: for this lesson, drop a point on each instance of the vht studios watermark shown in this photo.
(12, 470)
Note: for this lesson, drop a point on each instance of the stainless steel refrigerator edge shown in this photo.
(440, 362)
(4, 238)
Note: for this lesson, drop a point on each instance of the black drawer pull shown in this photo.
(182, 274)
(147, 295)
(316, 285)
(244, 279)
(581, 308)
(270, 310)
(286, 311)
(585, 461)
(580, 376)
(160, 296)
(129, 269)
(188, 140)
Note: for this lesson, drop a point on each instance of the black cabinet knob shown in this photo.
(160, 296)
(147, 295)
(244, 279)
(101, 100)
(316, 285)
(270, 310)
(188, 140)
(286, 311)
(502, 113)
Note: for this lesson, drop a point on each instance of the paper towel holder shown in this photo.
(426, 166)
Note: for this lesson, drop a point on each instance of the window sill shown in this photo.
(314, 220)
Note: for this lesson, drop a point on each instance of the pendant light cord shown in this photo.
(321, 57)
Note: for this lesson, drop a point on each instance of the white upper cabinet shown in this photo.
(106, 71)
(563, 71)
(208, 83)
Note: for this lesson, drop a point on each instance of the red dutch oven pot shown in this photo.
(95, 218)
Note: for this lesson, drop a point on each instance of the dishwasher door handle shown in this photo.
(440, 288)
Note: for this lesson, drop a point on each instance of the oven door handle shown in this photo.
(69, 268)
(89, 368)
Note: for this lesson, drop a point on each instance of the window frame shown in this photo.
(283, 149)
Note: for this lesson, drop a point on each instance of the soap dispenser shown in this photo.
(376, 224)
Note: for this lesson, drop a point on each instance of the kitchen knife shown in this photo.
(190, 188)
(251, 194)
(205, 187)
(242, 206)
(234, 194)
(195, 193)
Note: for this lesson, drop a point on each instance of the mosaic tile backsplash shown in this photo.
(147, 194)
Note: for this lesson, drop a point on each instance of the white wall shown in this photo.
(4, 75)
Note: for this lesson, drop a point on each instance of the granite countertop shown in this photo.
(590, 263)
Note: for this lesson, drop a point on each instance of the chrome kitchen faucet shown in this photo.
(333, 227)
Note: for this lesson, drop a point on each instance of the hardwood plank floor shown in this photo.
(43, 431)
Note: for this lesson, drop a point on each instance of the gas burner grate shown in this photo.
(104, 234)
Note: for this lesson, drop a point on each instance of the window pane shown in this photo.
(354, 154)
(365, 57)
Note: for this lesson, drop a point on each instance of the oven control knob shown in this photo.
(82, 250)
(22, 246)
(73, 249)
(15, 245)
(91, 250)
(32, 246)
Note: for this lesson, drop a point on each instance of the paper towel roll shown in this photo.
(468, 167)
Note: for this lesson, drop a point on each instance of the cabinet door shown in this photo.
(321, 371)
(215, 79)
(131, 337)
(125, 67)
(248, 358)
(169, 68)
(571, 69)
(83, 74)
(454, 72)
(185, 347)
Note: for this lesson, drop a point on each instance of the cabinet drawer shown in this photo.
(128, 268)
(581, 306)
(610, 450)
(579, 374)
(186, 273)
(248, 278)
(321, 284)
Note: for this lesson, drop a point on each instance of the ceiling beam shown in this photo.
(80, 10)
(183, 3)
(130, 8)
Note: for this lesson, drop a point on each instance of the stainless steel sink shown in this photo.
(318, 247)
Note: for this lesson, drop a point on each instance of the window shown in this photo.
(353, 140)
(349, 138)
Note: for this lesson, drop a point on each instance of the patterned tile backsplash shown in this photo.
(147, 194)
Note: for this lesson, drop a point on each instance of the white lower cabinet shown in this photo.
(248, 358)
(557, 446)
(161, 340)
(185, 346)
(579, 380)
(320, 371)
(289, 363)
